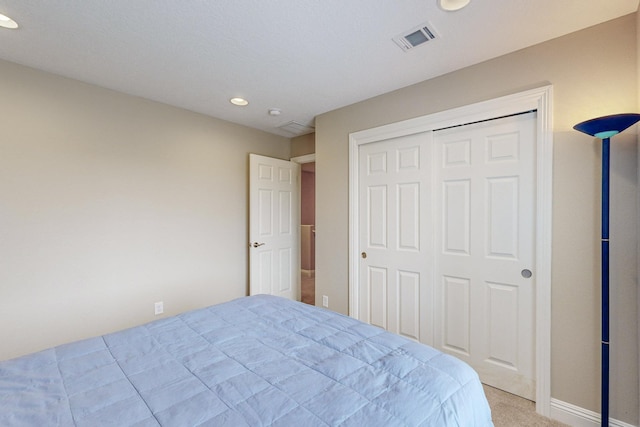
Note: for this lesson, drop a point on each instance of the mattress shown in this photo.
(255, 361)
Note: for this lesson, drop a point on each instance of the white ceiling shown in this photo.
(305, 57)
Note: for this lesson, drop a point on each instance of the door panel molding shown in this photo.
(499, 203)
(539, 99)
(274, 215)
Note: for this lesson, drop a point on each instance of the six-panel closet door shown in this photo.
(395, 269)
(447, 243)
(485, 239)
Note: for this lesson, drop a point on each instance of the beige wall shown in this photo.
(593, 72)
(638, 143)
(303, 145)
(109, 203)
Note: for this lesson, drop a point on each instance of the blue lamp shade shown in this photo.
(607, 126)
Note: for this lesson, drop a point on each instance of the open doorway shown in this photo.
(308, 232)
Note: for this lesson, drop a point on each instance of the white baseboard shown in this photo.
(576, 416)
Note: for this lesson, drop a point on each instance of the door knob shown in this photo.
(256, 244)
(363, 254)
(526, 273)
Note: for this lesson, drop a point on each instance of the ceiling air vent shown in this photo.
(415, 37)
(296, 128)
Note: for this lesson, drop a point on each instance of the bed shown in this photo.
(254, 361)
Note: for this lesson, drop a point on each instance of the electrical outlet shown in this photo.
(159, 307)
(325, 301)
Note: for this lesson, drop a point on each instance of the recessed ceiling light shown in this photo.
(7, 22)
(239, 101)
(451, 5)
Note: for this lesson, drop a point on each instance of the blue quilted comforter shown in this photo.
(254, 361)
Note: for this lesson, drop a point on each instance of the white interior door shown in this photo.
(274, 253)
(485, 240)
(395, 275)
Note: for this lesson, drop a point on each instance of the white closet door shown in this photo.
(485, 247)
(395, 244)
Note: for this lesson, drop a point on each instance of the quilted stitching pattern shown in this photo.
(255, 361)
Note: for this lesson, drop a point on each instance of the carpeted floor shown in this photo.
(509, 410)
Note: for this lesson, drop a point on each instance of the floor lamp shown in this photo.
(604, 128)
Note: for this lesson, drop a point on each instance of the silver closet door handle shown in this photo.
(526, 273)
(256, 244)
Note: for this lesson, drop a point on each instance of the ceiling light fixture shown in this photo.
(452, 5)
(239, 101)
(7, 22)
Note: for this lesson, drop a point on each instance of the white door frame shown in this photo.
(307, 158)
(539, 99)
